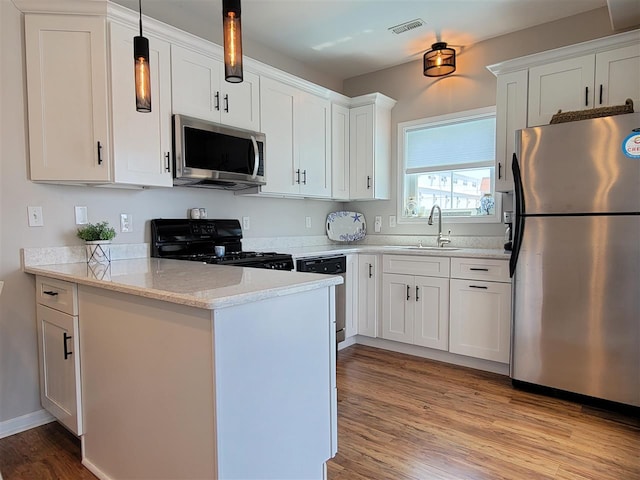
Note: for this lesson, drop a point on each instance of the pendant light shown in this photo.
(439, 61)
(141, 69)
(232, 30)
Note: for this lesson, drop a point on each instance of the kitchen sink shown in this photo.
(414, 247)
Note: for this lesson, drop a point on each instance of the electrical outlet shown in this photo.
(307, 222)
(392, 221)
(35, 216)
(246, 224)
(126, 222)
(81, 215)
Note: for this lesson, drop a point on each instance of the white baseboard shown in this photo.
(95, 470)
(347, 342)
(25, 422)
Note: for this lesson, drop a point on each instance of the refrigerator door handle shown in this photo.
(518, 224)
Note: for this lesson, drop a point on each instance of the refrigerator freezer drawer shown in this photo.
(577, 306)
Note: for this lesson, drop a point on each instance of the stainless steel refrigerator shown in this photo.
(576, 258)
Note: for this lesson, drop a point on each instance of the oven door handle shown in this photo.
(256, 159)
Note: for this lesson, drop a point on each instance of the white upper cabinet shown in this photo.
(79, 130)
(511, 115)
(618, 76)
(594, 80)
(66, 63)
(566, 85)
(297, 126)
(199, 90)
(141, 141)
(370, 147)
(340, 152)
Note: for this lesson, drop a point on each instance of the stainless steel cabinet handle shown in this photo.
(370, 273)
(417, 292)
(479, 269)
(408, 290)
(298, 176)
(478, 286)
(304, 172)
(50, 292)
(217, 105)
(66, 337)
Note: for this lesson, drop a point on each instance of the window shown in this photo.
(449, 161)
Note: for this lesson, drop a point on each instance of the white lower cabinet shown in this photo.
(415, 308)
(368, 295)
(59, 351)
(480, 322)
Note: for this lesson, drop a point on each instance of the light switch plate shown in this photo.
(307, 222)
(377, 225)
(392, 221)
(35, 216)
(246, 224)
(126, 222)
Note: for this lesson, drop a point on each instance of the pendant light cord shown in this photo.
(140, 8)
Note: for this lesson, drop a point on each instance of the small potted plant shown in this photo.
(98, 238)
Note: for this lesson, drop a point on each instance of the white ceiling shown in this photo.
(346, 38)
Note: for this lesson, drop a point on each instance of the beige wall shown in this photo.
(19, 393)
(471, 86)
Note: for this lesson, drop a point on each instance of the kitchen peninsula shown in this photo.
(197, 371)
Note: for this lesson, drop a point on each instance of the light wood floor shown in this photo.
(403, 417)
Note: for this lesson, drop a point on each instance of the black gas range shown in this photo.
(196, 239)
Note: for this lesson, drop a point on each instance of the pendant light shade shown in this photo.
(439, 61)
(141, 70)
(232, 30)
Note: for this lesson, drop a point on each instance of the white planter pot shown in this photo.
(98, 251)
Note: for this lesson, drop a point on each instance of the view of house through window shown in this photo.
(449, 161)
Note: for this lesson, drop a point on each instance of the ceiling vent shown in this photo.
(406, 26)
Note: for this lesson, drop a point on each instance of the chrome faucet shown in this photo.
(442, 240)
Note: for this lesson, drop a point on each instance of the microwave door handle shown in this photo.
(256, 160)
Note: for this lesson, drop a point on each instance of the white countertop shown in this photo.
(187, 283)
(335, 249)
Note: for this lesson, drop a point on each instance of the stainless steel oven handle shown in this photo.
(256, 160)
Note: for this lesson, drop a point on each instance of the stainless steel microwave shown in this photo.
(207, 154)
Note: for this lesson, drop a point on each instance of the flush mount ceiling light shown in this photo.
(141, 69)
(439, 61)
(232, 30)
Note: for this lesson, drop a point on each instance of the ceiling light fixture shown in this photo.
(232, 30)
(141, 69)
(439, 61)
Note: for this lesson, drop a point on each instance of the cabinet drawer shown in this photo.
(416, 265)
(57, 294)
(480, 269)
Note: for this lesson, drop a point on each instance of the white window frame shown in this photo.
(403, 127)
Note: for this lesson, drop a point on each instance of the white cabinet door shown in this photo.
(618, 76)
(565, 85)
(312, 142)
(339, 152)
(398, 307)
(351, 296)
(511, 115)
(240, 102)
(361, 124)
(141, 141)
(195, 80)
(59, 348)
(199, 90)
(368, 295)
(66, 63)
(277, 103)
(431, 325)
(480, 323)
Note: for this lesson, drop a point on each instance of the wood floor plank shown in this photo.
(408, 418)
